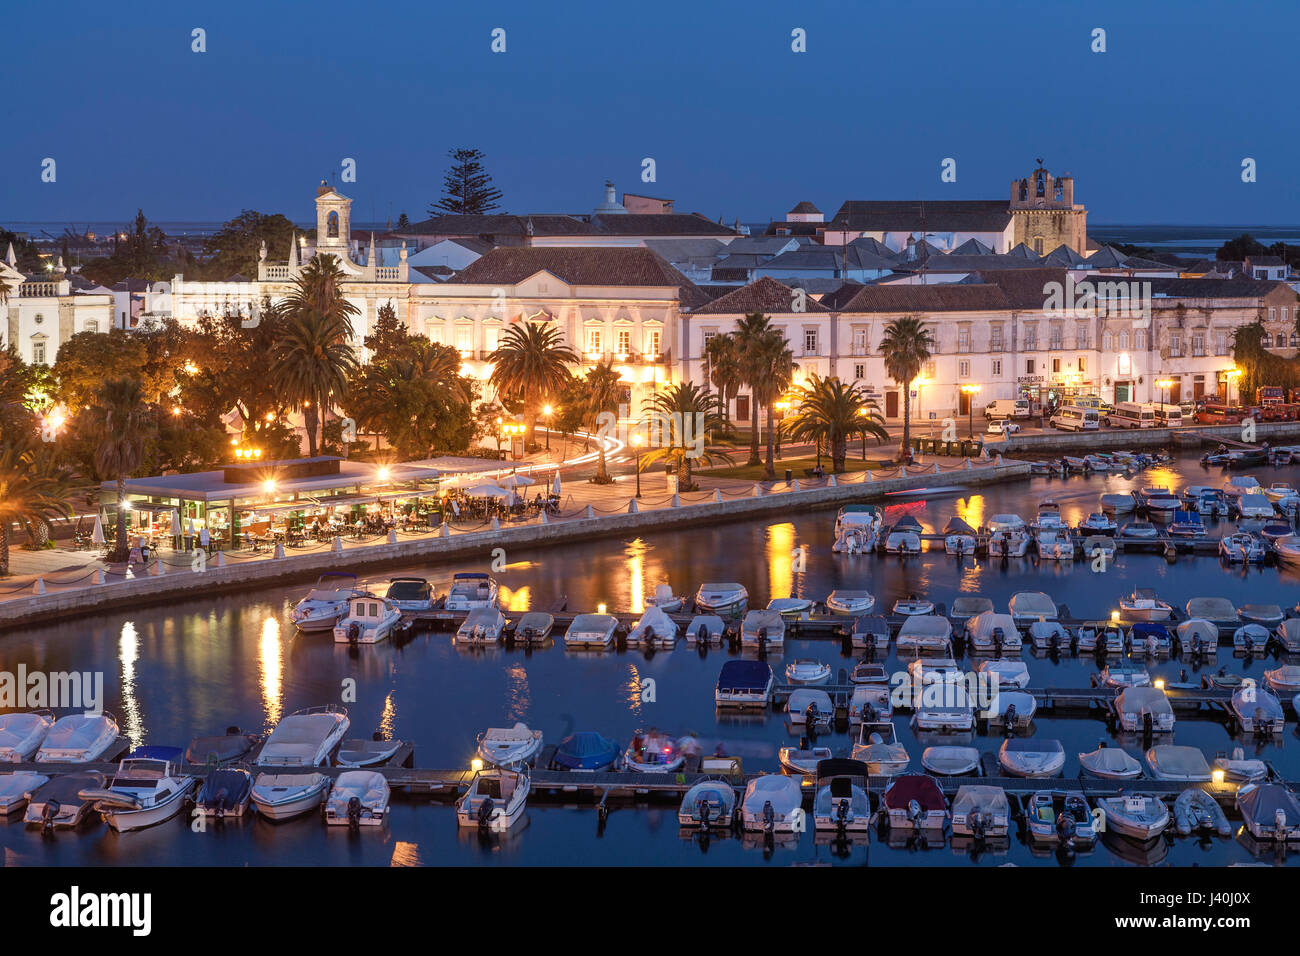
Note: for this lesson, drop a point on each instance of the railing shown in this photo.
(277, 272)
(38, 290)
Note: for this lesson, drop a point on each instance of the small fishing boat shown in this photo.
(1032, 606)
(1250, 639)
(1258, 710)
(369, 620)
(1140, 708)
(78, 738)
(1239, 485)
(1110, 763)
(495, 800)
(225, 794)
(653, 752)
(852, 518)
(710, 803)
(1124, 675)
(1048, 516)
(509, 746)
(947, 761)
(1196, 810)
(1049, 635)
(58, 803)
(1117, 503)
(1055, 545)
(810, 707)
(1198, 636)
(705, 629)
(326, 602)
(1009, 543)
(221, 749)
(913, 606)
(1213, 503)
(804, 758)
(981, 812)
(1101, 546)
(959, 537)
(848, 602)
(144, 792)
(1273, 533)
(1287, 549)
(1175, 762)
(1139, 531)
(1241, 547)
(482, 626)
(1288, 635)
(1136, 815)
(283, 796)
(868, 672)
(925, 633)
(915, 802)
(1237, 768)
(790, 608)
(1027, 757)
(586, 751)
(1097, 523)
(21, 734)
(654, 629)
(534, 627)
(903, 541)
(934, 670)
(1221, 678)
(1187, 524)
(411, 594)
(1284, 679)
(879, 750)
(665, 599)
(1005, 673)
(1267, 615)
(471, 591)
(305, 738)
(869, 703)
(993, 633)
(1211, 609)
(367, 753)
(772, 804)
(806, 671)
(591, 632)
(955, 713)
(1270, 811)
(1151, 638)
(16, 788)
(1014, 710)
(870, 632)
(841, 803)
(724, 599)
(968, 606)
(359, 798)
(1144, 605)
(762, 629)
(743, 684)
(1053, 816)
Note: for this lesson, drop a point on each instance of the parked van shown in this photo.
(1072, 418)
(1007, 408)
(1168, 416)
(1132, 415)
(1087, 401)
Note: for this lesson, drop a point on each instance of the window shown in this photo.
(1220, 343)
(92, 326)
(1272, 311)
(434, 332)
(1280, 341)
(465, 339)
(38, 353)
(1107, 343)
(859, 341)
(1031, 338)
(1055, 338)
(995, 339)
(1082, 367)
(1029, 366)
(490, 336)
(1056, 366)
(963, 368)
(1175, 345)
(625, 340)
(1295, 340)
(963, 340)
(997, 367)
(1081, 336)
(810, 342)
(1123, 341)
(1140, 340)
(1038, 243)
(928, 371)
(1198, 345)
(593, 340)
(652, 343)
(859, 371)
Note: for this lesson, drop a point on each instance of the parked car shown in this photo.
(1002, 426)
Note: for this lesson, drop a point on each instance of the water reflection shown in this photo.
(271, 669)
(128, 650)
(780, 562)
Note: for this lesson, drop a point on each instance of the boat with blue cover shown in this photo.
(744, 684)
(586, 750)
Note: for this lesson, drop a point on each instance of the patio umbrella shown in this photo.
(97, 536)
(555, 488)
(487, 490)
(176, 522)
(518, 481)
(189, 527)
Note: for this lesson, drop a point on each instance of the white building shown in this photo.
(44, 311)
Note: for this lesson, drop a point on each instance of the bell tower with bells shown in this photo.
(333, 221)
(1045, 213)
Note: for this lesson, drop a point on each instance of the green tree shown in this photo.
(33, 491)
(906, 346)
(773, 368)
(676, 406)
(236, 246)
(829, 411)
(467, 188)
(749, 335)
(119, 423)
(604, 390)
(725, 372)
(531, 366)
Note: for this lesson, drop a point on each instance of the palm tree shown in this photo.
(313, 358)
(724, 369)
(748, 335)
(603, 389)
(33, 492)
(119, 424)
(773, 369)
(531, 364)
(691, 413)
(906, 347)
(830, 411)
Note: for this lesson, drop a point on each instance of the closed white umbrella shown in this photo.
(97, 536)
(176, 522)
(555, 488)
(189, 527)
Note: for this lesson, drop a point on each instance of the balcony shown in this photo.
(38, 290)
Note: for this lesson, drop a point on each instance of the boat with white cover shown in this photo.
(762, 629)
(58, 803)
(470, 591)
(915, 802)
(1284, 679)
(1258, 710)
(482, 626)
(1198, 636)
(705, 629)
(1028, 757)
(1144, 605)
(1266, 615)
(1176, 762)
(1143, 709)
(1117, 503)
(871, 631)
(804, 758)
(1049, 635)
(1005, 673)
(591, 632)
(1032, 606)
(807, 671)
(509, 746)
(1287, 635)
(1238, 768)
(16, 788)
(1014, 710)
(369, 620)
(1270, 811)
(367, 753)
(495, 800)
(78, 738)
(144, 792)
(21, 734)
(283, 796)
(913, 606)
(790, 608)
(841, 802)
(1287, 549)
(925, 634)
(725, 599)
(710, 803)
(772, 804)
(744, 684)
(1211, 609)
(904, 536)
(1055, 545)
(534, 627)
(850, 603)
(993, 633)
(1137, 815)
(359, 798)
(305, 738)
(950, 761)
(1009, 543)
(1110, 763)
(968, 606)
(1250, 639)
(665, 599)
(981, 812)
(806, 705)
(959, 537)
(326, 602)
(654, 629)
(1255, 505)
(878, 748)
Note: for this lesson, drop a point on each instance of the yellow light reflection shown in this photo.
(636, 565)
(633, 690)
(515, 599)
(271, 659)
(128, 648)
(519, 695)
(971, 510)
(780, 560)
(388, 719)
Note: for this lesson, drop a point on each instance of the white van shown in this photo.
(1132, 415)
(1168, 416)
(1007, 408)
(1072, 418)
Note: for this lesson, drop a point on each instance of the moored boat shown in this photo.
(762, 629)
(1196, 810)
(705, 629)
(359, 798)
(369, 620)
(1146, 709)
(772, 803)
(509, 746)
(724, 599)
(283, 796)
(144, 792)
(840, 802)
(743, 683)
(805, 671)
(305, 738)
(482, 626)
(653, 752)
(586, 751)
(664, 599)
(1144, 605)
(226, 793)
(1270, 811)
(950, 761)
(495, 800)
(915, 802)
(854, 603)
(1176, 762)
(326, 602)
(1258, 710)
(16, 788)
(78, 738)
(654, 629)
(1110, 763)
(1136, 815)
(1032, 606)
(58, 803)
(710, 803)
(981, 812)
(470, 591)
(1053, 816)
(1028, 757)
(591, 632)
(21, 734)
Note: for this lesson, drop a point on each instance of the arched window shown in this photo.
(92, 326)
(1140, 339)
(1058, 191)
(1040, 184)
(1281, 340)
(1024, 189)
(1107, 343)
(332, 225)
(1295, 340)
(1123, 341)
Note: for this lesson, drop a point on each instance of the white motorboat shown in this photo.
(1055, 545)
(367, 753)
(870, 703)
(856, 525)
(482, 626)
(913, 606)
(664, 599)
(470, 591)
(1100, 545)
(1198, 637)
(495, 800)
(225, 793)
(806, 671)
(802, 759)
(993, 633)
(981, 812)
(1241, 547)
(762, 629)
(326, 602)
(743, 684)
(509, 746)
(879, 750)
(1288, 635)
(1284, 679)
(1048, 517)
(959, 537)
(1278, 490)
(925, 633)
(1014, 709)
(1005, 673)
(726, 599)
(1211, 609)
(968, 606)
(1144, 605)
(1009, 543)
(1270, 811)
(705, 629)
(1032, 606)
(1175, 762)
(654, 629)
(1287, 549)
(950, 761)
(954, 716)
(1110, 763)
(934, 670)
(305, 738)
(1097, 523)
(904, 536)
(1007, 522)
(1250, 638)
(369, 620)
(653, 752)
(915, 802)
(772, 803)
(16, 788)
(1135, 815)
(534, 627)
(807, 706)
(411, 594)
(1238, 768)
(591, 632)
(1117, 503)
(1049, 635)
(1258, 710)
(841, 802)
(790, 608)
(1267, 615)
(1239, 485)
(144, 792)
(1140, 531)
(710, 803)
(1124, 675)
(58, 803)
(78, 738)
(1143, 709)
(870, 632)
(283, 796)
(1028, 757)
(359, 798)
(850, 603)
(869, 672)
(1255, 506)
(21, 734)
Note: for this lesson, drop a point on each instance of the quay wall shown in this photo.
(1085, 443)
(477, 546)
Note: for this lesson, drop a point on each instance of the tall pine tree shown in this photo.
(467, 188)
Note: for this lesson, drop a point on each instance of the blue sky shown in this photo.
(1154, 129)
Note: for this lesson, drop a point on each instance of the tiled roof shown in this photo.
(1237, 288)
(959, 215)
(763, 295)
(948, 297)
(658, 224)
(1023, 288)
(804, 208)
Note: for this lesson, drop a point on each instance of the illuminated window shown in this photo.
(593, 340)
(625, 340)
(652, 342)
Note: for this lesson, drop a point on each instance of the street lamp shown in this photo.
(1232, 375)
(782, 406)
(1164, 384)
(546, 413)
(970, 390)
(637, 441)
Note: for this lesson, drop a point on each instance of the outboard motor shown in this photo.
(1065, 828)
(485, 810)
(1279, 823)
(1011, 720)
(977, 825)
(49, 813)
(705, 807)
(997, 640)
(841, 814)
(914, 813)
(762, 638)
(354, 632)
(769, 818)
(354, 811)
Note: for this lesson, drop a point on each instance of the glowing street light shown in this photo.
(970, 390)
(547, 411)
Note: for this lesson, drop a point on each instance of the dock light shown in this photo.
(600, 608)
(176, 410)
(1159, 683)
(1114, 617)
(1217, 776)
(476, 764)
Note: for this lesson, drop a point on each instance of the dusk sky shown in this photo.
(1154, 130)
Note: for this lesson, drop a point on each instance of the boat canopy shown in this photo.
(1261, 612)
(840, 767)
(922, 626)
(744, 676)
(871, 624)
(981, 627)
(1182, 763)
(970, 605)
(536, 621)
(1032, 604)
(956, 525)
(754, 620)
(408, 589)
(1145, 629)
(1109, 760)
(1197, 627)
(907, 523)
(860, 509)
(592, 624)
(1028, 745)
(914, 786)
(469, 576)
(485, 617)
(971, 799)
(1136, 700)
(1261, 803)
(1212, 609)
